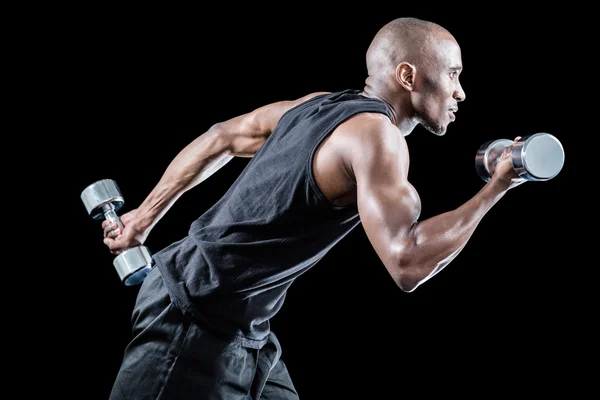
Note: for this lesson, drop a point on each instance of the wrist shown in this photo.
(498, 185)
(491, 192)
(142, 223)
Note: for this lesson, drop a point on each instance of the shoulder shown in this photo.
(372, 130)
(372, 141)
(263, 119)
(273, 111)
(311, 96)
(286, 105)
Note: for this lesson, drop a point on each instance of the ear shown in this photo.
(405, 75)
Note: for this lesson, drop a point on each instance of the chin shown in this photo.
(433, 127)
(437, 130)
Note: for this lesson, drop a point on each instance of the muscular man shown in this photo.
(320, 166)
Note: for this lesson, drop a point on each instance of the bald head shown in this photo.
(407, 39)
(414, 66)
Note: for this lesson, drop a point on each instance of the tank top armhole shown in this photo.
(309, 171)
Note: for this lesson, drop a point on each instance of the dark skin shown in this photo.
(364, 162)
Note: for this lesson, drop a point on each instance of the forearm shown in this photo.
(433, 243)
(194, 164)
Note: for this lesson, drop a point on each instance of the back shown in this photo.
(272, 225)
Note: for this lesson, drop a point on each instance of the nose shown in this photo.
(459, 94)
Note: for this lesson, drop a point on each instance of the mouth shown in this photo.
(451, 113)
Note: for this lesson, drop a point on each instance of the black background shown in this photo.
(126, 89)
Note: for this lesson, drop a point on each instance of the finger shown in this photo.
(508, 149)
(108, 226)
(114, 233)
(113, 247)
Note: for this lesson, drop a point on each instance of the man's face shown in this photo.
(437, 90)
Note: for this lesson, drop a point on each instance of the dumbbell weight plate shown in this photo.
(99, 193)
(133, 265)
(538, 157)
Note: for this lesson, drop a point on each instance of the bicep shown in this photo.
(387, 203)
(246, 133)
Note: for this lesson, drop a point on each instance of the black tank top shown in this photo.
(233, 269)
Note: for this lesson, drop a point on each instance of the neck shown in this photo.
(398, 103)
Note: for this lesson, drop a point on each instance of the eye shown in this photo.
(453, 74)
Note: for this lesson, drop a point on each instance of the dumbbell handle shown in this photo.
(110, 214)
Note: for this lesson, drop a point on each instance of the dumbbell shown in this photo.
(536, 157)
(102, 200)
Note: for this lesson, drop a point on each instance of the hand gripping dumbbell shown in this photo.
(537, 157)
(102, 200)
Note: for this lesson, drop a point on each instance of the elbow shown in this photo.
(404, 277)
(218, 132)
(218, 127)
(407, 282)
(238, 138)
(405, 263)
(409, 276)
(406, 272)
(221, 138)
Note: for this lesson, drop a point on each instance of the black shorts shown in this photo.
(171, 357)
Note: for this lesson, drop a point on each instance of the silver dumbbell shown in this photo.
(537, 157)
(102, 200)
